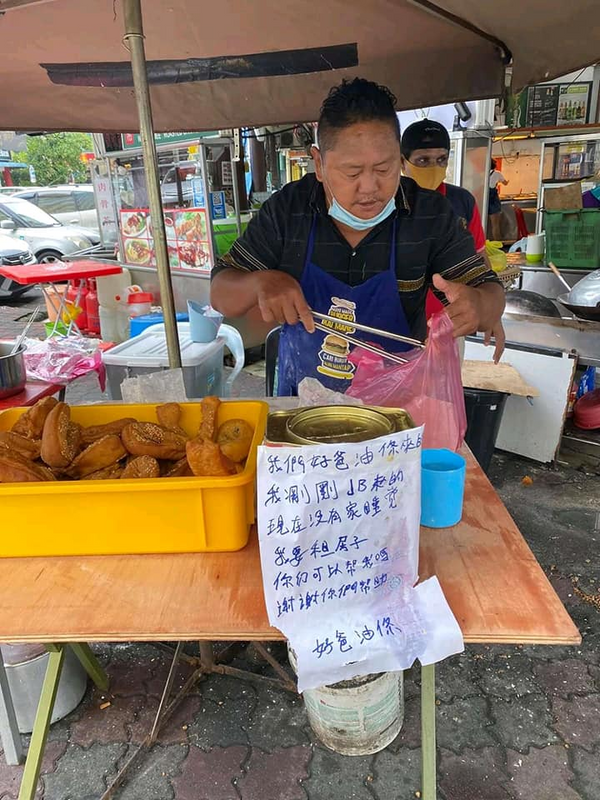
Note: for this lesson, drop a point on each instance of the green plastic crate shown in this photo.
(573, 238)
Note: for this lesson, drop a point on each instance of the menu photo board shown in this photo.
(188, 238)
(573, 104)
(549, 105)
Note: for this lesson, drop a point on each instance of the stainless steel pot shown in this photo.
(12, 370)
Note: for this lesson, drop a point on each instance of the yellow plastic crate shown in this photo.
(153, 515)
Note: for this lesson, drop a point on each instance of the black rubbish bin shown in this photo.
(484, 415)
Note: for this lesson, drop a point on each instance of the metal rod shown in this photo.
(366, 329)
(236, 193)
(134, 40)
(428, 738)
(148, 741)
(19, 341)
(435, 9)
(357, 343)
(264, 653)
(166, 691)
(207, 203)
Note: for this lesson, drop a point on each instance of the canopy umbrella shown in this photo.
(233, 63)
(223, 65)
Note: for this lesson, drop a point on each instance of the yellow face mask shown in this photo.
(426, 177)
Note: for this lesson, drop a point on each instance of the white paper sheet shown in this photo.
(339, 540)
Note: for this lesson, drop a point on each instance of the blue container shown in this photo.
(139, 324)
(442, 488)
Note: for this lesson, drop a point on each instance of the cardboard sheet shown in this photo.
(497, 377)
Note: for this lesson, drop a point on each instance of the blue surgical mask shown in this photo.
(339, 213)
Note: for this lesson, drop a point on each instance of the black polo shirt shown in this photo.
(429, 239)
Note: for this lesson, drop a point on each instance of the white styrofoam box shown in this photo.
(202, 363)
(532, 429)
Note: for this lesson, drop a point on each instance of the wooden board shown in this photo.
(492, 581)
(501, 377)
(560, 198)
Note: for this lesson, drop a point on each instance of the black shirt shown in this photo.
(429, 239)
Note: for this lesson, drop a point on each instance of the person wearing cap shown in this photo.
(425, 152)
(357, 242)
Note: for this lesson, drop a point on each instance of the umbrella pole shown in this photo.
(134, 39)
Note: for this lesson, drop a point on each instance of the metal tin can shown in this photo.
(334, 424)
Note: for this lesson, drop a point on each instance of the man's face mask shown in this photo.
(427, 177)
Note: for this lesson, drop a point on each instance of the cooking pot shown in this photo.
(520, 301)
(586, 292)
(12, 370)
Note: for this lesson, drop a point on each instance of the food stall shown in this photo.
(545, 621)
(192, 167)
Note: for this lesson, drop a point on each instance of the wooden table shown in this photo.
(491, 579)
(33, 391)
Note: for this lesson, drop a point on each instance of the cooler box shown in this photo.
(202, 363)
(138, 325)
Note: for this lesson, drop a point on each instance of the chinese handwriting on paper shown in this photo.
(327, 516)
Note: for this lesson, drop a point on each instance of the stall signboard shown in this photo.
(188, 238)
(198, 192)
(105, 203)
(218, 209)
(133, 141)
(226, 173)
(549, 105)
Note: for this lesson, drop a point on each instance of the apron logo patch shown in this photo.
(334, 352)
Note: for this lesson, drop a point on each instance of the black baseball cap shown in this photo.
(423, 135)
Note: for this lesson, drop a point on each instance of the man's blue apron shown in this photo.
(324, 356)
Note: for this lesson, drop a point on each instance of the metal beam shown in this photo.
(134, 41)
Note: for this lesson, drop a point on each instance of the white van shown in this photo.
(71, 205)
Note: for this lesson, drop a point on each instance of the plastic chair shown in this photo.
(271, 349)
(520, 219)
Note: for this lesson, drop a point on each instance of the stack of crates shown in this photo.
(573, 238)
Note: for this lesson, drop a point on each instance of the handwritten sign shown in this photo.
(339, 540)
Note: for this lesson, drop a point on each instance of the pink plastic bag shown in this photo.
(429, 386)
(61, 359)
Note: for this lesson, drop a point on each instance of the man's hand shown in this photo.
(280, 299)
(497, 334)
(472, 308)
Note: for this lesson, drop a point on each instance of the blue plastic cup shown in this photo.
(442, 488)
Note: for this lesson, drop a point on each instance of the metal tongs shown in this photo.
(367, 329)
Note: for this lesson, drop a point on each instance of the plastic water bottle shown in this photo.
(92, 308)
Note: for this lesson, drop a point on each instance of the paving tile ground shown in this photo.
(514, 723)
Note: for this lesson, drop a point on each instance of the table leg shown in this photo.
(9, 729)
(39, 735)
(428, 740)
(91, 665)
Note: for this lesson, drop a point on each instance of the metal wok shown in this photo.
(583, 312)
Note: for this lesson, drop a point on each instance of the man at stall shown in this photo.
(355, 241)
(425, 151)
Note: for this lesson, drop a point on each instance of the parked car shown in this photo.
(13, 253)
(48, 238)
(71, 205)
(168, 189)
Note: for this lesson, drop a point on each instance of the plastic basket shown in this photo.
(153, 515)
(573, 238)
